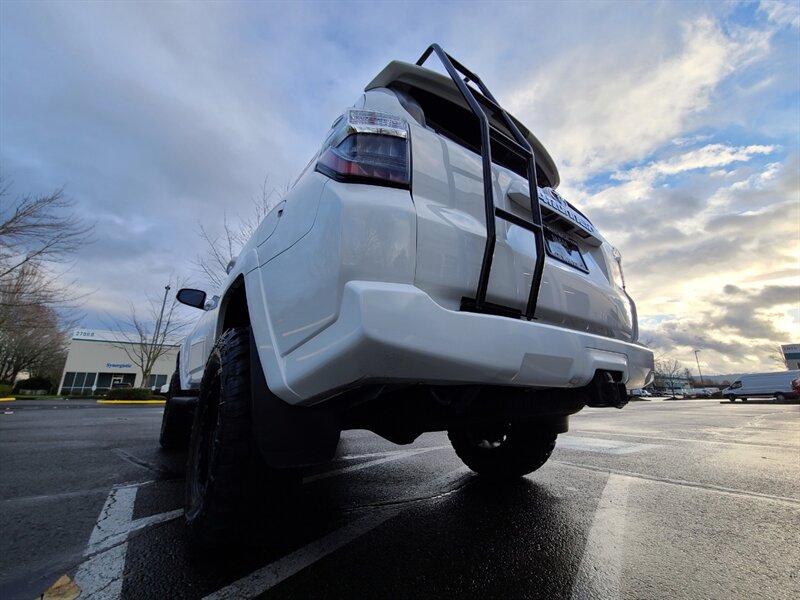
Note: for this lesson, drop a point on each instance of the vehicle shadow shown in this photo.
(476, 538)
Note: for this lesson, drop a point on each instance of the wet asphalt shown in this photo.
(676, 499)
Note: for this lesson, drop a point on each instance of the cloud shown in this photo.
(709, 156)
(609, 116)
(781, 12)
(741, 314)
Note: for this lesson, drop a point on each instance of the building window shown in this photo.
(68, 379)
(156, 381)
(104, 380)
(78, 384)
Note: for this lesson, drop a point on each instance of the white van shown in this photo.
(763, 385)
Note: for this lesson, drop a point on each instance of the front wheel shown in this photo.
(227, 484)
(779, 397)
(503, 450)
(731, 398)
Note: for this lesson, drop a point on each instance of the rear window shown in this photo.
(461, 126)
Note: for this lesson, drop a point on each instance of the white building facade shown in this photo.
(97, 361)
(791, 354)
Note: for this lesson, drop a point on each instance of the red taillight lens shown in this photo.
(368, 157)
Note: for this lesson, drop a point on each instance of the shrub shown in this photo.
(131, 394)
(5, 390)
(34, 383)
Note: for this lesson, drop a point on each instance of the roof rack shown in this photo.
(518, 146)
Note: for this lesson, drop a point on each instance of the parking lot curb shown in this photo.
(131, 401)
(7, 399)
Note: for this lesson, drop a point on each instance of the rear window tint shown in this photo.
(461, 126)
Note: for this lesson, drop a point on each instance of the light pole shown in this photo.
(698, 366)
(161, 314)
(157, 337)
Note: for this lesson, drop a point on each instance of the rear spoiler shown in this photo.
(443, 86)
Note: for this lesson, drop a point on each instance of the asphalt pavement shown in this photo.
(680, 499)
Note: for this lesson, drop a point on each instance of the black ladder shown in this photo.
(519, 146)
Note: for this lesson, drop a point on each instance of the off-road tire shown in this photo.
(176, 424)
(224, 470)
(503, 451)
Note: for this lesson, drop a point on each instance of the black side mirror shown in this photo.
(193, 298)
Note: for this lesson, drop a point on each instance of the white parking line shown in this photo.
(600, 569)
(649, 436)
(370, 463)
(707, 487)
(602, 446)
(100, 576)
(272, 574)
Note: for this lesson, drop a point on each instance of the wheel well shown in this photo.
(234, 307)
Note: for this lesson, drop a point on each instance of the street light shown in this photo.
(698, 366)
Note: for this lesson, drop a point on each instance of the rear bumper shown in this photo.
(387, 332)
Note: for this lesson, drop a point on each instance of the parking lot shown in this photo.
(673, 499)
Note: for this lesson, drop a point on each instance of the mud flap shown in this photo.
(289, 436)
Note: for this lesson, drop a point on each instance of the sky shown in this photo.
(675, 127)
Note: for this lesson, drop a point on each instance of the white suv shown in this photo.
(407, 283)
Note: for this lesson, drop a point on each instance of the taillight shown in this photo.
(368, 147)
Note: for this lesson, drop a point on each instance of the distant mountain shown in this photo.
(720, 379)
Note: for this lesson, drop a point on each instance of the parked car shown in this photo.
(423, 274)
(776, 385)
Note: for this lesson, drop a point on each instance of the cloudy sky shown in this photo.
(675, 125)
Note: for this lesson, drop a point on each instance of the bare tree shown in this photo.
(669, 369)
(221, 249)
(37, 230)
(37, 233)
(33, 341)
(776, 356)
(146, 339)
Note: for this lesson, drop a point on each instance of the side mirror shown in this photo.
(190, 297)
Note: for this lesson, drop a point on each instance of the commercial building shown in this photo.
(97, 361)
(678, 384)
(791, 354)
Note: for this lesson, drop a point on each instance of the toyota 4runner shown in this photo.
(423, 274)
